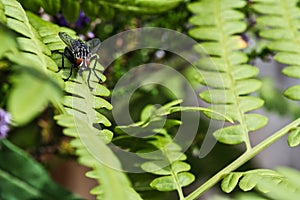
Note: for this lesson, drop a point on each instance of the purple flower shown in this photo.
(62, 20)
(82, 20)
(4, 121)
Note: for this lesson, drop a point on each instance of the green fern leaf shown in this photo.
(294, 137)
(145, 6)
(167, 183)
(2, 13)
(52, 6)
(79, 118)
(250, 179)
(231, 181)
(168, 163)
(163, 156)
(278, 22)
(70, 9)
(32, 79)
(280, 184)
(21, 177)
(226, 73)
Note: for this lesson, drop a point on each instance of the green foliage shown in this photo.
(94, 8)
(163, 156)
(278, 22)
(280, 184)
(80, 115)
(31, 57)
(294, 137)
(32, 91)
(17, 170)
(226, 73)
(79, 123)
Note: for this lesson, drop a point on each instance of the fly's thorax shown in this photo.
(80, 49)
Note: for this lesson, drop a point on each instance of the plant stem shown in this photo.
(242, 160)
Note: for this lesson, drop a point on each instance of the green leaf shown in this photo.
(248, 86)
(218, 96)
(2, 15)
(292, 71)
(248, 103)
(70, 9)
(9, 42)
(293, 92)
(161, 167)
(230, 181)
(291, 174)
(90, 8)
(32, 91)
(285, 186)
(244, 71)
(255, 121)
(167, 183)
(147, 112)
(294, 138)
(287, 58)
(51, 6)
(21, 177)
(248, 182)
(144, 6)
(230, 135)
(216, 80)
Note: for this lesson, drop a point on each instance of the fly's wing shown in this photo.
(68, 40)
(93, 45)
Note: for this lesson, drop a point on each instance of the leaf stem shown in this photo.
(242, 160)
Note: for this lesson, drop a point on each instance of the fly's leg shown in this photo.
(70, 74)
(93, 58)
(88, 80)
(67, 53)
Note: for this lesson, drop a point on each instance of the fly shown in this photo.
(80, 54)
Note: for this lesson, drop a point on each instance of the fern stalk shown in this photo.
(223, 42)
(175, 177)
(243, 159)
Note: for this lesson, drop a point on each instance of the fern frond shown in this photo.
(17, 20)
(163, 157)
(71, 9)
(79, 121)
(82, 119)
(33, 83)
(281, 183)
(278, 22)
(166, 161)
(226, 73)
